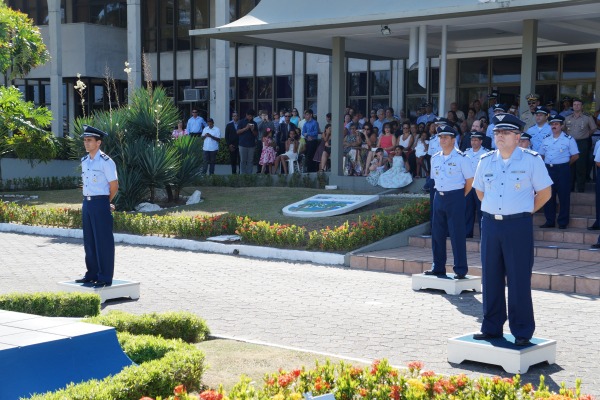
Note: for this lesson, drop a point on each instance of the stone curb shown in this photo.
(192, 245)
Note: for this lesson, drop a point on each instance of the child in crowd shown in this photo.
(291, 152)
(376, 167)
(267, 156)
(421, 152)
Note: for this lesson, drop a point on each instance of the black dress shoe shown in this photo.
(460, 276)
(84, 280)
(99, 284)
(522, 342)
(596, 246)
(547, 225)
(432, 272)
(593, 228)
(485, 336)
(469, 236)
(562, 227)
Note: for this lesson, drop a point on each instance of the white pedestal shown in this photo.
(502, 351)
(118, 289)
(446, 283)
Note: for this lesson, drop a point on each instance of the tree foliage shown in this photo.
(21, 44)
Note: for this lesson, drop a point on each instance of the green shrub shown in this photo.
(144, 348)
(37, 183)
(170, 325)
(51, 304)
(158, 377)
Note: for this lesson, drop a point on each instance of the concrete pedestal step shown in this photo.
(575, 221)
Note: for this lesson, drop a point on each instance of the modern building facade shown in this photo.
(275, 54)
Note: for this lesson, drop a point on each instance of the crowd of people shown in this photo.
(286, 141)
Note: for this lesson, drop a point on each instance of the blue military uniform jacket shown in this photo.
(452, 172)
(559, 150)
(97, 173)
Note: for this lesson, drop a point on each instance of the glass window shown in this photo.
(284, 105)
(584, 91)
(166, 18)
(184, 24)
(265, 106)
(579, 65)
(547, 67)
(98, 94)
(505, 70)
(265, 87)
(246, 88)
(473, 71)
(311, 87)
(149, 25)
(434, 85)
(357, 84)
(380, 83)
(377, 103)
(284, 87)
(359, 104)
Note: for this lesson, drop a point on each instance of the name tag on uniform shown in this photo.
(452, 164)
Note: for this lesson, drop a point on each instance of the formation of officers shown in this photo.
(504, 187)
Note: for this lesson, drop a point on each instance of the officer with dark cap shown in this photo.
(559, 151)
(473, 207)
(492, 101)
(533, 100)
(100, 185)
(512, 183)
(525, 141)
(489, 132)
(428, 115)
(540, 129)
(452, 173)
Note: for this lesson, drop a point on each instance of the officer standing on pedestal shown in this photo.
(512, 183)
(452, 173)
(559, 152)
(100, 186)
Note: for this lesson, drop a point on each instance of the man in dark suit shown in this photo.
(232, 140)
(284, 130)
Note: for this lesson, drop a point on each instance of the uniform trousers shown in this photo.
(473, 212)
(507, 253)
(597, 223)
(561, 188)
(98, 239)
(449, 217)
(579, 168)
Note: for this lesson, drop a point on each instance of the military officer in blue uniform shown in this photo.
(525, 141)
(559, 151)
(433, 147)
(512, 183)
(452, 173)
(473, 207)
(100, 185)
(596, 225)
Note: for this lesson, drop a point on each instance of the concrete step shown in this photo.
(550, 273)
(571, 235)
(550, 249)
(575, 221)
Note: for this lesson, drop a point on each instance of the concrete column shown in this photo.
(219, 83)
(443, 64)
(55, 45)
(397, 76)
(338, 104)
(299, 71)
(528, 60)
(134, 43)
(324, 91)
(422, 76)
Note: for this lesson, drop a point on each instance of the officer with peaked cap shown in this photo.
(452, 173)
(540, 129)
(100, 185)
(528, 117)
(512, 183)
(525, 141)
(559, 152)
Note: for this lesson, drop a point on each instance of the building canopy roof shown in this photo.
(474, 26)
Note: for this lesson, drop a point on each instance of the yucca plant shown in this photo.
(132, 189)
(151, 115)
(158, 165)
(189, 153)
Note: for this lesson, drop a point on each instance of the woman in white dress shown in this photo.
(397, 176)
(291, 153)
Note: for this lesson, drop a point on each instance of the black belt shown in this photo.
(90, 198)
(450, 192)
(556, 165)
(500, 217)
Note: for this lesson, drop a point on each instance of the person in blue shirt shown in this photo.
(473, 207)
(452, 173)
(196, 124)
(310, 132)
(100, 186)
(596, 225)
(512, 184)
(559, 152)
(492, 99)
(428, 115)
(541, 128)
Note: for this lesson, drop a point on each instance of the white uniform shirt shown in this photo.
(451, 172)
(559, 150)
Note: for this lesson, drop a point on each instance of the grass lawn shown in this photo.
(263, 203)
(229, 359)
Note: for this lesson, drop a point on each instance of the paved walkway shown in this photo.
(328, 309)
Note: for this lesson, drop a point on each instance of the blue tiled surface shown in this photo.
(506, 342)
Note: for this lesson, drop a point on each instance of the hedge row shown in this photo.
(170, 325)
(52, 304)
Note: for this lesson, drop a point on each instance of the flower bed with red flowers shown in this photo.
(380, 381)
